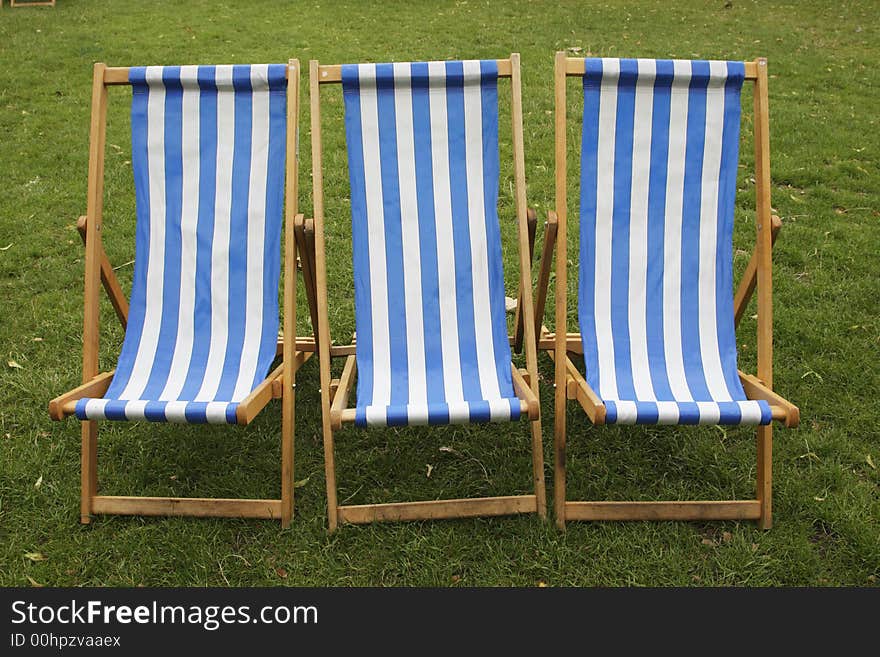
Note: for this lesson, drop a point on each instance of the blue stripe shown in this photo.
(654, 307)
(141, 172)
(589, 181)
(491, 173)
(393, 233)
(726, 203)
(204, 232)
(238, 233)
(359, 232)
(620, 221)
(427, 232)
(690, 232)
(274, 210)
(173, 215)
(464, 293)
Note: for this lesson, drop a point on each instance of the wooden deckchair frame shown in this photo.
(279, 384)
(570, 383)
(335, 392)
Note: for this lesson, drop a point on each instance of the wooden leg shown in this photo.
(538, 468)
(559, 472)
(765, 475)
(89, 470)
(330, 475)
(287, 452)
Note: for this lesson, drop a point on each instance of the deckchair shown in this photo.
(431, 337)
(209, 145)
(656, 307)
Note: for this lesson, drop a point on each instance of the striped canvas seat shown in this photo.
(658, 181)
(208, 152)
(432, 344)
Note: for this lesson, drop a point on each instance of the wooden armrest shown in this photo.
(65, 405)
(782, 409)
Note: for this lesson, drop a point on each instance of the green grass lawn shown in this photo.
(824, 99)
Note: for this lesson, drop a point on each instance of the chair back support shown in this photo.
(432, 342)
(658, 184)
(208, 156)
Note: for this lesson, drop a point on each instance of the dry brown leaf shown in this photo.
(281, 572)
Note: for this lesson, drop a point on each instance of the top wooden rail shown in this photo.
(115, 75)
(330, 73)
(575, 66)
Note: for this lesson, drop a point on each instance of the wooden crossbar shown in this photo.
(687, 510)
(332, 73)
(575, 66)
(438, 509)
(199, 507)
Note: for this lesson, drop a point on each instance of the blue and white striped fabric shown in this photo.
(208, 153)
(432, 344)
(658, 183)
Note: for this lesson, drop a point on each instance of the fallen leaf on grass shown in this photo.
(708, 541)
(14, 365)
(870, 462)
(301, 482)
(35, 556)
(281, 573)
(430, 470)
(39, 482)
(726, 537)
(34, 582)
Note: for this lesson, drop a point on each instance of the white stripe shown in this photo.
(473, 125)
(417, 414)
(708, 317)
(188, 227)
(672, 238)
(409, 235)
(135, 410)
(220, 245)
(143, 362)
(256, 233)
(376, 231)
(459, 412)
(638, 231)
(710, 412)
(443, 219)
(376, 415)
(604, 215)
(96, 409)
(499, 408)
(667, 412)
(626, 412)
(750, 412)
(175, 411)
(215, 412)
